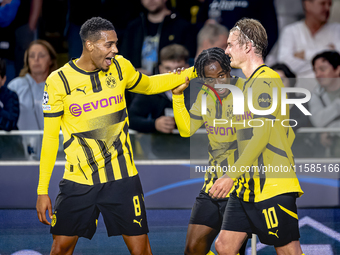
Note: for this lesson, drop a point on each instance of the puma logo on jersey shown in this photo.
(272, 233)
(267, 83)
(82, 90)
(138, 222)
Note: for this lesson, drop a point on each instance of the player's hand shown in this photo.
(44, 204)
(165, 124)
(178, 70)
(179, 90)
(221, 187)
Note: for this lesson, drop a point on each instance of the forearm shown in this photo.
(163, 82)
(321, 115)
(252, 151)
(186, 125)
(49, 152)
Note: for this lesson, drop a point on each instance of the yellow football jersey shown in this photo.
(265, 167)
(222, 146)
(91, 110)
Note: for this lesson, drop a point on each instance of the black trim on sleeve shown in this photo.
(195, 117)
(55, 114)
(66, 85)
(137, 82)
(119, 70)
(276, 150)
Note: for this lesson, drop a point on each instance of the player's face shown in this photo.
(39, 59)
(170, 65)
(325, 73)
(319, 9)
(234, 50)
(104, 50)
(154, 6)
(214, 74)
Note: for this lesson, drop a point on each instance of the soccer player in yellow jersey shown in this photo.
(264, 181)
(213, 67)
(85, 98)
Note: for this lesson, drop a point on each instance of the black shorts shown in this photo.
(207, 211)
(120, 202)
(273, 220)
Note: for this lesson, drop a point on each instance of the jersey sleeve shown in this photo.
(187, 123)
(155, 84)
(53, 111)
(262, 99)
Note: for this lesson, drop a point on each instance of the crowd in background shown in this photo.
(37, 37)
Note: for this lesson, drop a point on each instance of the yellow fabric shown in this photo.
(90, 109)
(222, 137)
(265, 146)
(210, 253)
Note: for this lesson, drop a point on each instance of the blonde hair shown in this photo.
(51, 52)
(251, 30)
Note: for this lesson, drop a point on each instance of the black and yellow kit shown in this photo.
(90, 108)
(222, 137)
(265, 167)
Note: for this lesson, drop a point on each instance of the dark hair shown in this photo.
(209, 56)
(91, 29)
(332, 57)
(175, 52)
(288, 73)
(2, 68)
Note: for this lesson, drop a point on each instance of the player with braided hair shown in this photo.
(212, 67)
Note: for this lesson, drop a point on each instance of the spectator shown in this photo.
(39, 61)
(212, 35)
(289, 79)
(227, 12)
(154, 113)
(9, 103)
(10, 146)
(302, 40)
(325, 102)
(152, 31)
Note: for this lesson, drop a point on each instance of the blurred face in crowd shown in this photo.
(154, 6)
(170, 65)
(39, 60)
(214, 74)
(235, 51)
(284, 78)
(103, 50)
(319, 10)
(325, 73)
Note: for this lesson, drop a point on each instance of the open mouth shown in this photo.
(221, 91)
(108, 61)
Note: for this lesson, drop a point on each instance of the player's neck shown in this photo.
(85, 63)
(159, 16)
(251, 65)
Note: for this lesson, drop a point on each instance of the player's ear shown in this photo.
(89, 45)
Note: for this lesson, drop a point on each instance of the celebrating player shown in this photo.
(86, 99)
(262, 202)
(213, 67)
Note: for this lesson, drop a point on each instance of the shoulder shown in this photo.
(17, 84)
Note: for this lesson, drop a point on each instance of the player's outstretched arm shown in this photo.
(160, 83)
